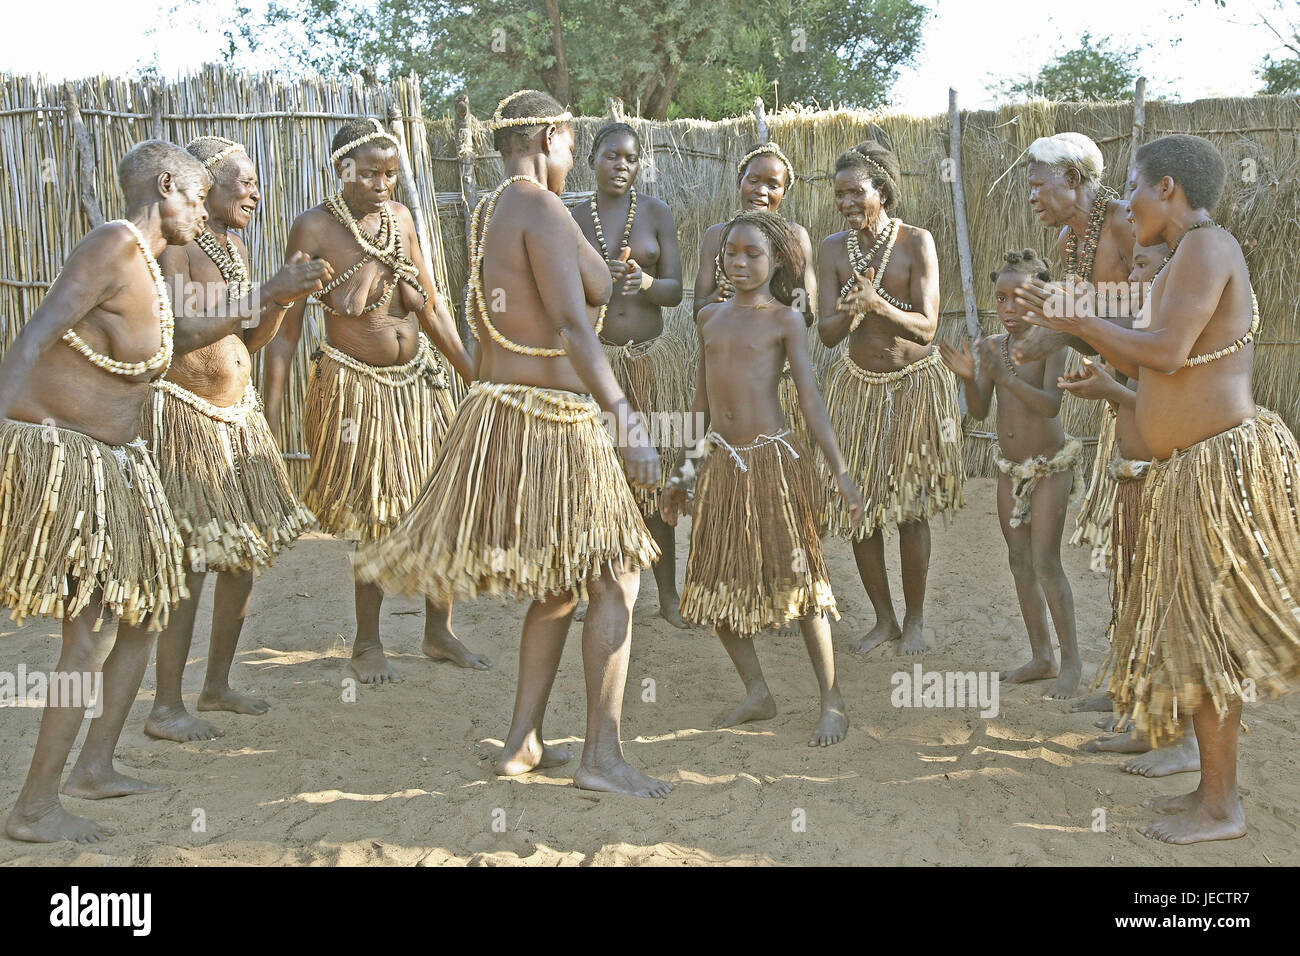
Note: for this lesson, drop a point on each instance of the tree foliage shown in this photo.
(706, 58)
(1094, 70)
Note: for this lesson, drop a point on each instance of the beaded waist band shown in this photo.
(896, 375)
(548, 404)
(714, 440)
(421, 365)
(231, 414)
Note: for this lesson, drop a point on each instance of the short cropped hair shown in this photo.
(1190, 161)
(139, 169)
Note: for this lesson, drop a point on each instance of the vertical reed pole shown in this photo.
(959, 208)
(85, 157)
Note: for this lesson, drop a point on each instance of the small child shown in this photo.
(755, 560)
(1040, 473)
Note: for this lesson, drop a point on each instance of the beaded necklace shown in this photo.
(162, 359)
(858, 263)
(1006, 356)
(1096, 223)
(385, 247)
(229, 263)
(1206, 358)
(627, 229)
(478, 300)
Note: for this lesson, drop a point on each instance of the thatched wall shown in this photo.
(693, 170)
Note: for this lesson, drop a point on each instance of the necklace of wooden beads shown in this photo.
(384, 247)
(229, 263)
(1096, 223)
(477, 298)
(162, 359)
(1006, 356)
(857, 263)
(627, 228)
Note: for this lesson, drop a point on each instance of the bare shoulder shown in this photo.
(108, 239)
(713, 235)
(659, 211)
(790, 321)
(176, 259)
(835, 239)
(402, 213)
(313, 221)
(710, 311)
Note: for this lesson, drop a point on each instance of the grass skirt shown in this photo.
(1025, 476)
(79, 516)
(224, 479)
(528, 499)
(900, 433)
(755, 559)
(373, 433)
(1092, 526)
(655, 375)
(1210, 611)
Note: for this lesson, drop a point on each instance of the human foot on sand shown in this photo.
(832, 727)
(1067, 684)
(232, 701)
(1182, 756)
(103, 785)
(530, 757)
(176, 723)
(370, 666)
(443, 645)
(757, 705)
(913, 641)
(1116, 744)
(1034, 670)
(53, 824)
(669, 612)
(882, 632)
(623, 779)
(1191, 820)
(1099, 704)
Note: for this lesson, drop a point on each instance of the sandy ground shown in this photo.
(403, 775)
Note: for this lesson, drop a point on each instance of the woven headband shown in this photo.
(498, 122)
(231, 147)
(379, 133)
(880, 171)
(766, 149)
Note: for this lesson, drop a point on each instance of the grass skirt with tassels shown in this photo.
(1092, 526)
(77, 517)
(528, 500)
(755, 560)
(224, 479)
(900, 433)
(373, 432)
(1211, 611)
(655, 375)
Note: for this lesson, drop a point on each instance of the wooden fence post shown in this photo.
(760, 117)
(468, 189)
(1139, 125)
(959, 210)
(85, 157)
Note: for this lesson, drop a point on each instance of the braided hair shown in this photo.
(787, 256)
(1026, 262)
(878, 164)
(612, 129)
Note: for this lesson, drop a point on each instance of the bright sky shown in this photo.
(1190, 51)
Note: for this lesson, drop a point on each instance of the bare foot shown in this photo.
(103, 786)
(755, 706)
(1183, 756)
(1199, 825)
(527, 759)
(833, 725)
(370, 666)
(1112, 723)
(669, 612)
(581, 613)
(1067, 684)
(1117, 744)
(1176, 804)
(176, 723)
(1034, 670)
(1099, 704)
(445, 646)
(621, 779)
(233, 701)
(913, 637)
(53, 825)
(882, 632)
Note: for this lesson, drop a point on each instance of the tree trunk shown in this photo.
(559, 74)
(656, 107)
